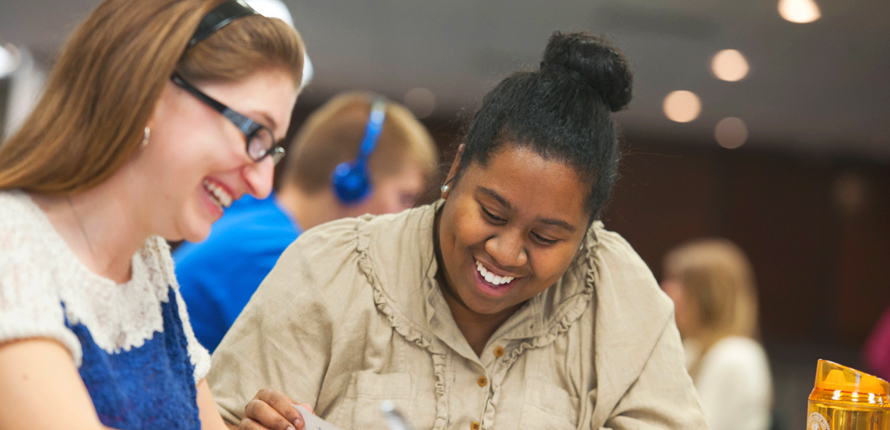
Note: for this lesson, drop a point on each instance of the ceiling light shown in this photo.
(799, 11)
(682, 106)
(850, 193)
(731, 133)
(421, 102)
(730, 65)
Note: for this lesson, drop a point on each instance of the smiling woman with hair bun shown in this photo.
(506, 304)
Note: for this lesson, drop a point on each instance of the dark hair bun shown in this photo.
(600, 64)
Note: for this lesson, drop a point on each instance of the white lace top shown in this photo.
(39, 272)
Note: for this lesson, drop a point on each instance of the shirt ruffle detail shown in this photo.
(569, 312)
(405, 327)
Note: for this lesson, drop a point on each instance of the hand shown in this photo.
(272, 410)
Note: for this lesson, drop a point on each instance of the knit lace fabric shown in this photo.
(131, 342)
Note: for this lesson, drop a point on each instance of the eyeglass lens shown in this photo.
(259, 143)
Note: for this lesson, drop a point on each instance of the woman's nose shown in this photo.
(508, 249)
(259, 176)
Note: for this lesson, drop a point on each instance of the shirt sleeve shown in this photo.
(217, 277)
(30, 306)
(284, 336)
(663, 396)
(641, 374)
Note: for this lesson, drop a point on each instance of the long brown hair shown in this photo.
(718, 279)
(106, 83)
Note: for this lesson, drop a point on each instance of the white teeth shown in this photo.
(221, 197)
(491, 277)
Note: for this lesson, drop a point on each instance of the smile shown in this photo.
(218, 195)
(491, 278)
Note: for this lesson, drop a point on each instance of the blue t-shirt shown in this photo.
(218, 276)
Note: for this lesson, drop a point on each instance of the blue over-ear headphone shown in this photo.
(351, 180)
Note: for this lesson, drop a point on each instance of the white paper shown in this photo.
(314, 422)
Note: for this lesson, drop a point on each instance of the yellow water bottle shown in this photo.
(847, 399)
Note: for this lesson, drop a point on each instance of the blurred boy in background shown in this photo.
(356, 154)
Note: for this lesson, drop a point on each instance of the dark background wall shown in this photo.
(816, 228)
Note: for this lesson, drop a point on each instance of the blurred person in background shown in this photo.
(876, 350)
(385, 157)
(715, 303)
(506, 304)
(157, 115)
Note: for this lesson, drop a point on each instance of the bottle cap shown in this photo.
(832, 376)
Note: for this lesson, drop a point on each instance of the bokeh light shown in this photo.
(799, 11)
(730, 65)
(272, 9)
(277, 9)
(9, 60)
(421, 102)
(682, 106)
(731, 132)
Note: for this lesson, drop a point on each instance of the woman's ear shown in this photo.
(455, 169)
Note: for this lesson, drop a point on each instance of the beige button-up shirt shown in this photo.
(352, 315)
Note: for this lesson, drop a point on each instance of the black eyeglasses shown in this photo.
(259, 139)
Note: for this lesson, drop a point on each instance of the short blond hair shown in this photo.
(332, 134)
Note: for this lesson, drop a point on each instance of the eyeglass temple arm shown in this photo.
(244, 123)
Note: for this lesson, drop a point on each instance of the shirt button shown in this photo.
(474, 426)
(482, 381)
(499, 352)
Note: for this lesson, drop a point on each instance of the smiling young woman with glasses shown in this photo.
(121, 153)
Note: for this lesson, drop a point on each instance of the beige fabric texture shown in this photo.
(352, 315)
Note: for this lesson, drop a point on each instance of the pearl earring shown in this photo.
(444, 188)
(145, 137)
